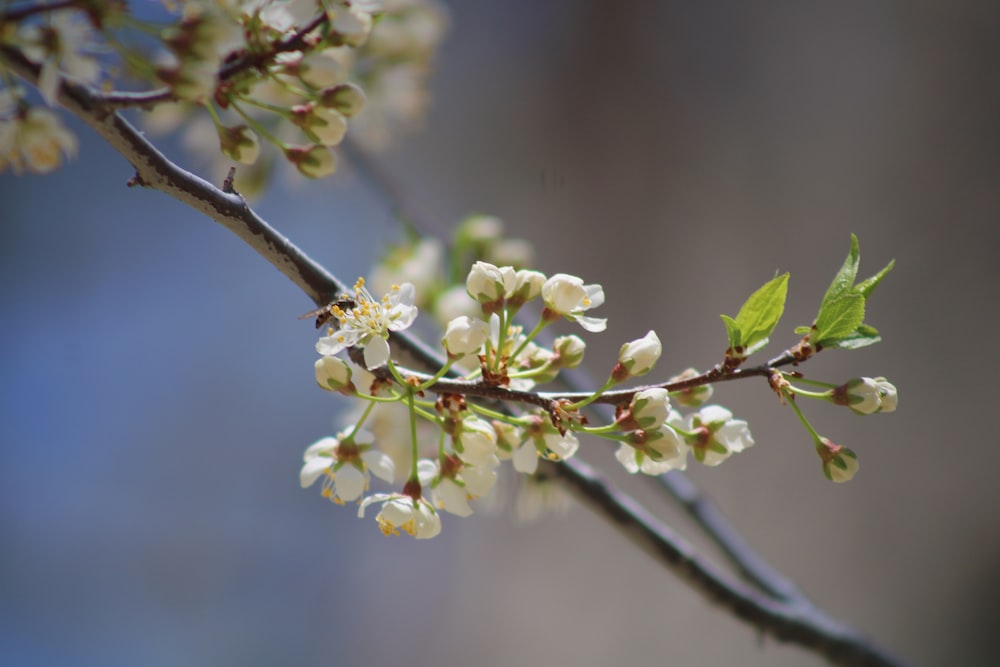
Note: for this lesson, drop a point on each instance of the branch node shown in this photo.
(137, 181)
(227, 185)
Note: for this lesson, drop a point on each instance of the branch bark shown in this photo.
(781, 612)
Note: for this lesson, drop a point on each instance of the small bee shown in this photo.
(325, 314)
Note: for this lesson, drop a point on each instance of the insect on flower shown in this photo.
(325, 314)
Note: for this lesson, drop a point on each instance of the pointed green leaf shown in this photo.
(838, 319)
(844, 279)
(760, 313)
(732, 331)
(866, 287)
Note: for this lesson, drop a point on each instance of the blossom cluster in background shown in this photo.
(231, 76)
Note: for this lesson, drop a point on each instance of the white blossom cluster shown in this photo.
(285, 72)
(456, 459)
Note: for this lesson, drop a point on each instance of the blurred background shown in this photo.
(157, 389)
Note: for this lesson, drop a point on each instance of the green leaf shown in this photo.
(732, 331)
(866, 287)
(863, 336)
(760, 313)
(844, 280)
(838, 319)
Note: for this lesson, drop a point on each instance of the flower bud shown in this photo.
(865, 396)
(480, 230)
(333, 374)
(569, 351)
(513, 252)
(527, 286)
(647, 411)
(312, 161)
(318, 69)
(239, 143)
(347, 98)
(692, 397)
(465, 335)
(887, 392)
(322, 125)
(839, 463)
(489, 285)
(637, 357)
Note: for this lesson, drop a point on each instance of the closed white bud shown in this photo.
(489, 284)
(312, 161)
(569, 351)
(527, 286)
(239, 143)
(347, 98)
(840, 464)
(465, 335)
(333, 374)
(638, 357)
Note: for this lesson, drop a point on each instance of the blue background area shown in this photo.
(157, 389)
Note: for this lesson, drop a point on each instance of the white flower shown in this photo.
(61, 46)
(567, 296)
(717, 435)
(840, 464)
(489, 284)
(402, 512)
(465, 335)
(477, 442)
(345, 465)
(639, 356)
(36, 142)
(653, 452)
(333, 374)
(369, 322)
(542, 440)
(453, 487)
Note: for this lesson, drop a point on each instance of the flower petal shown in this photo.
(376, 352)
(313, 469)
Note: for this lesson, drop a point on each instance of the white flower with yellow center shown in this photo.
(368, 322)
(403, 512)
(346, 464)
(568, 297)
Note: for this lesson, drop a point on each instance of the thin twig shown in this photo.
(806, 627)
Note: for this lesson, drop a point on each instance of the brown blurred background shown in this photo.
(158, 392)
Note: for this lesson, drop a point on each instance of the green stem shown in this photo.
(258, 128)
(437, 376)
(530, 337)
(414, 454)
(593, 397)
(790, 399)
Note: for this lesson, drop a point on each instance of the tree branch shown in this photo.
(792, 622)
